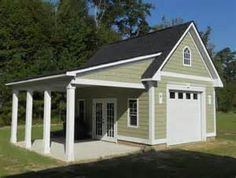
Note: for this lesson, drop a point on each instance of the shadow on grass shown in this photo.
(168, 163)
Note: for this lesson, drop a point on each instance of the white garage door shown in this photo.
(183, 117)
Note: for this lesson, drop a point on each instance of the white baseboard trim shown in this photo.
(141, 140)
(160, 141)
(211, 134)
(133, 139)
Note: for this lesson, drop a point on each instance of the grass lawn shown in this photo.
(211, 159)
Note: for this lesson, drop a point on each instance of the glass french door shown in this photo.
(104, 119)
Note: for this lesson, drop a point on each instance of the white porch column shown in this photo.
(151, 96)
(46, 121)
(28, 122)
(14, 116)
(70, 122)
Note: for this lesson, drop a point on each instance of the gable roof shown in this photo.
(150, 43)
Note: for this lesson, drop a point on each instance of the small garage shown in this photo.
(184, 116)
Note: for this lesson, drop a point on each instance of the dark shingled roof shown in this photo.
(158, 41)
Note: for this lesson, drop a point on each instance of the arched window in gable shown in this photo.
(187, 56)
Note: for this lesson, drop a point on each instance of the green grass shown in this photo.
(15, 160)
(211, 159)
(226, 126)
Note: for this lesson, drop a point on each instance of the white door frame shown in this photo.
(202, 94)
(104, 101)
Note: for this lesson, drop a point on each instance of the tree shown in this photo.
(168, 23)
(127, 17)
(225, 62)
(206, 37)
(25, 32)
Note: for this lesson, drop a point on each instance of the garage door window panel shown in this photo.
(180, 95)
(188, 96)
(195, 96)
(172, 95)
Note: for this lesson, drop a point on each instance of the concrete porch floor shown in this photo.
(85, 150)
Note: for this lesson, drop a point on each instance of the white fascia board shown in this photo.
(36, 79)
(220, 83)
(204, 62)
(93, 82)
(185, 76)
(156, 76)
(73, 73)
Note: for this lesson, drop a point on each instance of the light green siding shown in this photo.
(175, 63)
(161, 109)
(122, 96)
(130, 72)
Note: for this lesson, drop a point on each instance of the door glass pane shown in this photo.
(99, 118)
(110, 119)
(81, 110)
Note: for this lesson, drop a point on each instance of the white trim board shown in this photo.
(213, 134)
(93, 82)
(141, 140)
(185, 76)
(36, 79)
(113, 64)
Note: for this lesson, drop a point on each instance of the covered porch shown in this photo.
(68, 148)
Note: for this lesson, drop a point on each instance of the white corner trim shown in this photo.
(108, 83)
(113, 64)
(214, 109)
(160, 141)
(151, 105)
(155, 76)
(185, 76)
(213, 134)
(36, 79)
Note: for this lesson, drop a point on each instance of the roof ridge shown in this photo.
(149, 33)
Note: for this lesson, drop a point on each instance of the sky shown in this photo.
(218, 14)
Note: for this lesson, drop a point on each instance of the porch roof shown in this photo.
(59, 82)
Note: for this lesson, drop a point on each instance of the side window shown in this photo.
(133, 113)
(186, 56)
